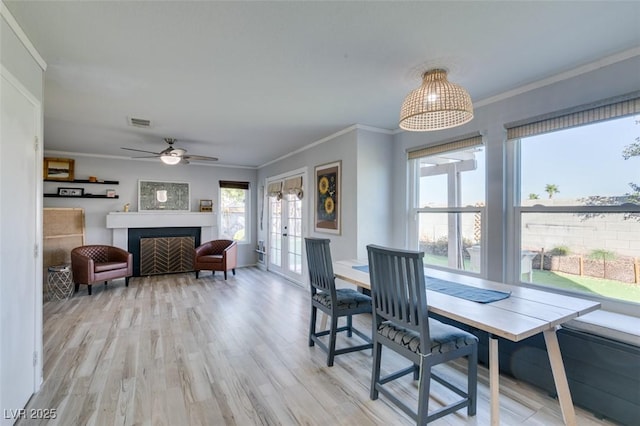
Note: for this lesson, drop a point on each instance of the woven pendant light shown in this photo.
(437, 104)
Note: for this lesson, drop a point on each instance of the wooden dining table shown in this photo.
(525, 313)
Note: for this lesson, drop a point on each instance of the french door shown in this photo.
(285, 231)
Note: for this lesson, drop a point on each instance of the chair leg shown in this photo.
(349, 326)
(225, 275)
(312, 325)
(234, 271)
(423, 394)
(416, 372)
(332, 340)
(126, 281)
(76, 287)
(472, 383)
(89, 290)
(375, 374)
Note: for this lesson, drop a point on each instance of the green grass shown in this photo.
(600, 286)
(603, 287)
(431, 259)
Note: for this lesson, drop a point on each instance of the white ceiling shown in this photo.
(249, 82)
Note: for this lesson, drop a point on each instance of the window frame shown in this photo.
(514, 216)
(414, 211)
(247, 211)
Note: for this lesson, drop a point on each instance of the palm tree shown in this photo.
(533, 196)
(551, 189)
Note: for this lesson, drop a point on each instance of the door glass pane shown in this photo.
(275, 232)
(295, 234)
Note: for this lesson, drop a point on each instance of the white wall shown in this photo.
(601, 82)
(203, 182)
(373, 190)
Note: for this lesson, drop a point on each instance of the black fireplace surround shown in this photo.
(135, 234)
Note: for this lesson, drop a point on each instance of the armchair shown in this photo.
(96, 263)
(216, 255)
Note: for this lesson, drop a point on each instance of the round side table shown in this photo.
(59, 282)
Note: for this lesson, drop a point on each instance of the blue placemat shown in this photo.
(462, 291)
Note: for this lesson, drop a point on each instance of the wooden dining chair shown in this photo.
(336, 303)
(401, 322)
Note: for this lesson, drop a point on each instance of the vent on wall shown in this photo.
(139, 122)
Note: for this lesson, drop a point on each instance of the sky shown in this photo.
(582, 161)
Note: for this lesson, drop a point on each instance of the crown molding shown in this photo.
(22, 36)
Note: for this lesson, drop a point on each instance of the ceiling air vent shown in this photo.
(139, 122)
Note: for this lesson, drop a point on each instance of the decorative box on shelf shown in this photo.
(206, 205)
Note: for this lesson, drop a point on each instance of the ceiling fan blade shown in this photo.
(140, 150)
(148, 156)
(199, 158)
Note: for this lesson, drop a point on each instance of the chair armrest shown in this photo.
(202, 250)
(82, 268)
(117, 254)
(230, 255)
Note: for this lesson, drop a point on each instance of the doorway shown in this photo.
(286, 226)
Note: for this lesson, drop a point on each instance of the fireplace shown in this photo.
(128, 228)
(162, 250)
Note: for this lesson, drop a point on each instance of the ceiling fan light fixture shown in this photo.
(170, 159)
(437, 104)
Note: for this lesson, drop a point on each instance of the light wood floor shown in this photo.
(172, 350)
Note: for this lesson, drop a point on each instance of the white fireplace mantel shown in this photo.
(120, 222)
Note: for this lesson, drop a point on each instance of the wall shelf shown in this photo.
(81, 196)
(103, 182)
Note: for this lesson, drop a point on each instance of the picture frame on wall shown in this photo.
(328, 203)
(156, 195)
(71, 192)
(58, 169)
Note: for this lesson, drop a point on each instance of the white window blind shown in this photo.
(573, 119)
(274, 189)
(446, 147)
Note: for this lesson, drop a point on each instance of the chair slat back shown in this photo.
(398, 287)
(320, 267)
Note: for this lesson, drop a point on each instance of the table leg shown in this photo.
(323, 321)
(560, 377)
(494, 382)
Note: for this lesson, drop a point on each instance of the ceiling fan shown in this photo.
(172, 155)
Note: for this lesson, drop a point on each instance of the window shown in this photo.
(448, 203)
(234, 211)
(577, 213)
